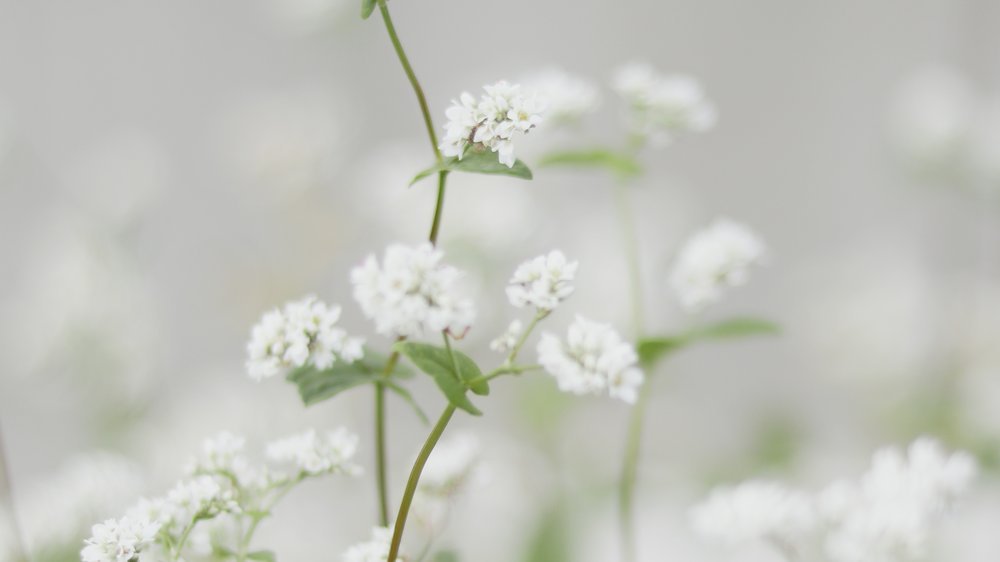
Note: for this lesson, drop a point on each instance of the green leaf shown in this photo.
(437, 362)
(477, 162)
(408, 398)
(446, 556)
(620, 164)
(367, 7)
(263, 555)
(652, 350)
(317, 385)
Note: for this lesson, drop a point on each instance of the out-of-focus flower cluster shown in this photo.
(542, 282)
(712, 260)
(491, 122)
(566, 98)
(663, 106)
(887, 515)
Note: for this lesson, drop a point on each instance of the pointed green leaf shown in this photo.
(616, 162)
(262, 555)
(367, 7)
(317, 385)
(652, 350)
(437, 362)
(408, 398)
(477, 162)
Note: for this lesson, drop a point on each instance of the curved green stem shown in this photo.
(438, 208)
(380, 455)
(630, 470)
(414, 479)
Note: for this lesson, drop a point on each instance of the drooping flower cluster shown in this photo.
(566, 98)
(713, 259)
(885, 516)
(302, 332)
(663, 106)
(314, 454)
(119, 540)
(374, 550)
(542, 282)
(593, 360)
(224, 491)
(411, 293)
(491, 122)
(889, 512)
(756, 511)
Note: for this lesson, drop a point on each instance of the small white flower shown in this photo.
(374, 550)
(302, 332)
(119, 540)
(223, 454)
(592, 360)
(567, 98)
(411, 293)
(202, 496)
(756, 511)
(712, 260)
(663, 106)
(542, 282)
(490, 122)
(313, 454)
(507, 340)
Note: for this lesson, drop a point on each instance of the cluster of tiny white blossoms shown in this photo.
(315, 454)
(506, 341)
(119, 540)
(663, 106)
(302, 332)
(411, 293)
(223, 487)
(542, 282)
(593, 360)
(567, 98)
(374, 550)
(491, 122)
(885, 516)
(712, 260)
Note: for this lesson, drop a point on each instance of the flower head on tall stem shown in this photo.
(491, 122)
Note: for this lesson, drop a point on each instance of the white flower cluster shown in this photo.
(314, 454)
(663, 106)
(449, 470)
(756, 510)
(888, 514)
(490, 122)
(885, 516)
(222, 452)
(713, 259)
(507, 340)
(374, 550)
(121, 540)
(566, 98)
(302, 332)
(542, 282)
(411, 293)
(593, 360)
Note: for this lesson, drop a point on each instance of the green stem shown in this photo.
(380, 455)
(630, 470)
(411, 483)
(539, 316)
(438, 208)
(184, 537)
(504, 370)
(7, 497)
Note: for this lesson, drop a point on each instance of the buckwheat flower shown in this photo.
(202, 496)
(411, 292)
(756, 511)
(507, 340)
(223, 453)
(491, 122)
(120, 540)
(567, 98)
(300, 333)
(592, 360)
(314, 454)
(374, 550)
(663, 106)
(712, 260)
(542, 282)
(889, 513)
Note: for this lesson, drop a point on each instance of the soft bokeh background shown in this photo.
(171, 169)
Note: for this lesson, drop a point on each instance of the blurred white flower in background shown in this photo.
(508, 339)
(567, 98)
(756, 511)
(119, 540)
(284, 143)
(491, 121)
(315, 454)
(714, 259)
(302, 332)
(450, 469)
(663, 106)
(309, 16)
(593, 360)
(374, 550)
(542, 282)
(411, 292)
